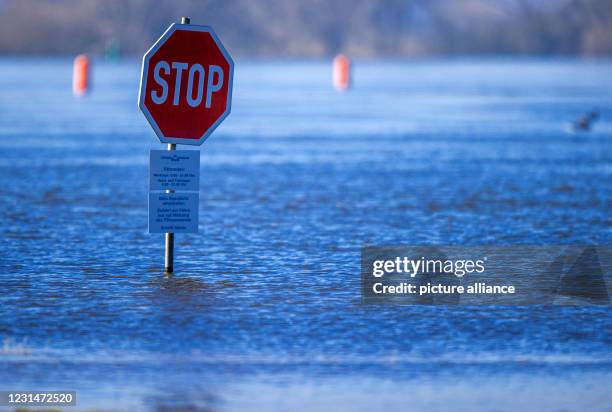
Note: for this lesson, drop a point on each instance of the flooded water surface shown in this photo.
(264, 310)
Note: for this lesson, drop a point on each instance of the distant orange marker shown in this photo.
(342, 72)
(80, 75)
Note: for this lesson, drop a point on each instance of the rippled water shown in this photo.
(264, 309)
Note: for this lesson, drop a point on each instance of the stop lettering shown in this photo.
(195, 82)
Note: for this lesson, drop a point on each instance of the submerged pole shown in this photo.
(169, 260)
(169, 255)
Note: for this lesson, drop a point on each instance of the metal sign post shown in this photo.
(185, 93)
(169, 255)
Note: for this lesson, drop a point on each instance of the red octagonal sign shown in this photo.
(186, 84)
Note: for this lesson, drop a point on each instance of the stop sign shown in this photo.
(186, 84)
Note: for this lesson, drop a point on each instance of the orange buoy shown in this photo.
(80, 75)
(342, 72)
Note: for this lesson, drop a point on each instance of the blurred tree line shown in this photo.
(308, 28)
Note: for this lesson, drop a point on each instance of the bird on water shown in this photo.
(584, 122)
